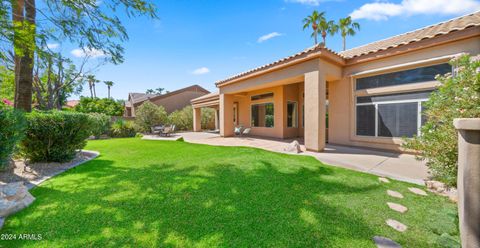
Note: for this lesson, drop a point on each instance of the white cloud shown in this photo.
(200, 71)
(383, 10)
(312, 2)
(53, 46)
(90, 52)
(268, 36)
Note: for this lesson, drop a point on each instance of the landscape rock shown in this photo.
(383, 180)
(397, 207)
(293, 147)
(394, 194)
(418, 191)
(382, 242)
(14, 197)
(440, 188)
(396, 225)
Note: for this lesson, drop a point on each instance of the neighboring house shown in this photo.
(171, 101)
(375, 91)
(71, 103)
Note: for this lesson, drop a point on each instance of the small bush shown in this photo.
(122, 128)
(182, 119)
(100, 124)
(149, 115)
(55, 136)
(138, 135)
(12, 126)
(100, 105)
(457, 97)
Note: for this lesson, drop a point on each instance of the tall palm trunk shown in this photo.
(24, 18)
(344, 43)
(91, 91)
(94, 92)
(108, 92)
(324, 36)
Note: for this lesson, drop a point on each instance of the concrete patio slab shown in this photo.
(403, 167)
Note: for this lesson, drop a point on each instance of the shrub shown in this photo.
(182, 119)
(96, 105)
(122, 128)
(12, 126)
(100, 124)
(149, 115)
(457, 97)
(55, 136)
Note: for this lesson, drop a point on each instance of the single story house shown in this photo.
(374, 92)
(171, 101)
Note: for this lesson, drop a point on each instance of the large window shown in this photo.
(262, 115)
(393, 115)
(417, 75)
(292, 116)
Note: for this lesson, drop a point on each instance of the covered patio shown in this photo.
(207, 101)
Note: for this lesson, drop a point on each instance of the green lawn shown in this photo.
(175, 194)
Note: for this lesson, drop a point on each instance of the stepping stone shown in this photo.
(382, 242)
(397, 207)
(396, 225)
(418, 191)
(394, 194)
(383, 180)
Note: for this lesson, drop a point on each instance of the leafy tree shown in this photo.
(93, 25)
(109, 85)
(157, 91)
(7, 84)
(313, 21)
(150, 91)
(149, 115)
(457, 97)
(347, 27)
(96, 105)
(182, 119)
(55, 79)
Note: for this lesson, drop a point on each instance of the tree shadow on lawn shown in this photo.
(167, 205)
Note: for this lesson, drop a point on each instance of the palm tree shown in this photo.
(159, 90)
(150, 91)
(347, 27)
(91, 82)
(313, 20)
(327, 27)
(109, 85)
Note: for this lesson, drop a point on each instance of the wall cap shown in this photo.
(467, 123)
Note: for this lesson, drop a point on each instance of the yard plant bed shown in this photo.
(148, 193)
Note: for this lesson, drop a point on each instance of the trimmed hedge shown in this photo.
(12, 126)
(55, 136)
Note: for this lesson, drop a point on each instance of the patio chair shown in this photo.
(238, 130)
(167, 131)
(173, 129)
(246, 131)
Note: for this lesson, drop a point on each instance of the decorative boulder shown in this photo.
(293, 147)
(14, 197)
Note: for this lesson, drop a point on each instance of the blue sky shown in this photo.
(200, 42)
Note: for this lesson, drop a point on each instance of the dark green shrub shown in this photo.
(97, 105)
(149, 115)
(457, 97)
(12, 126)
(100, 124)
(122, 128)
(55, 136)
(182, 119)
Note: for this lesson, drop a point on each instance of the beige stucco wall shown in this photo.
(341, 93)
(178, 101)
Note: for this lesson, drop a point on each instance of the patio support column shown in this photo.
(226, 115)
(197, 119)
(216, 119)
(315, 110)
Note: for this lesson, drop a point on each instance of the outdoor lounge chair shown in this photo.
(156, 129)
(246, 131)
(238, 130)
